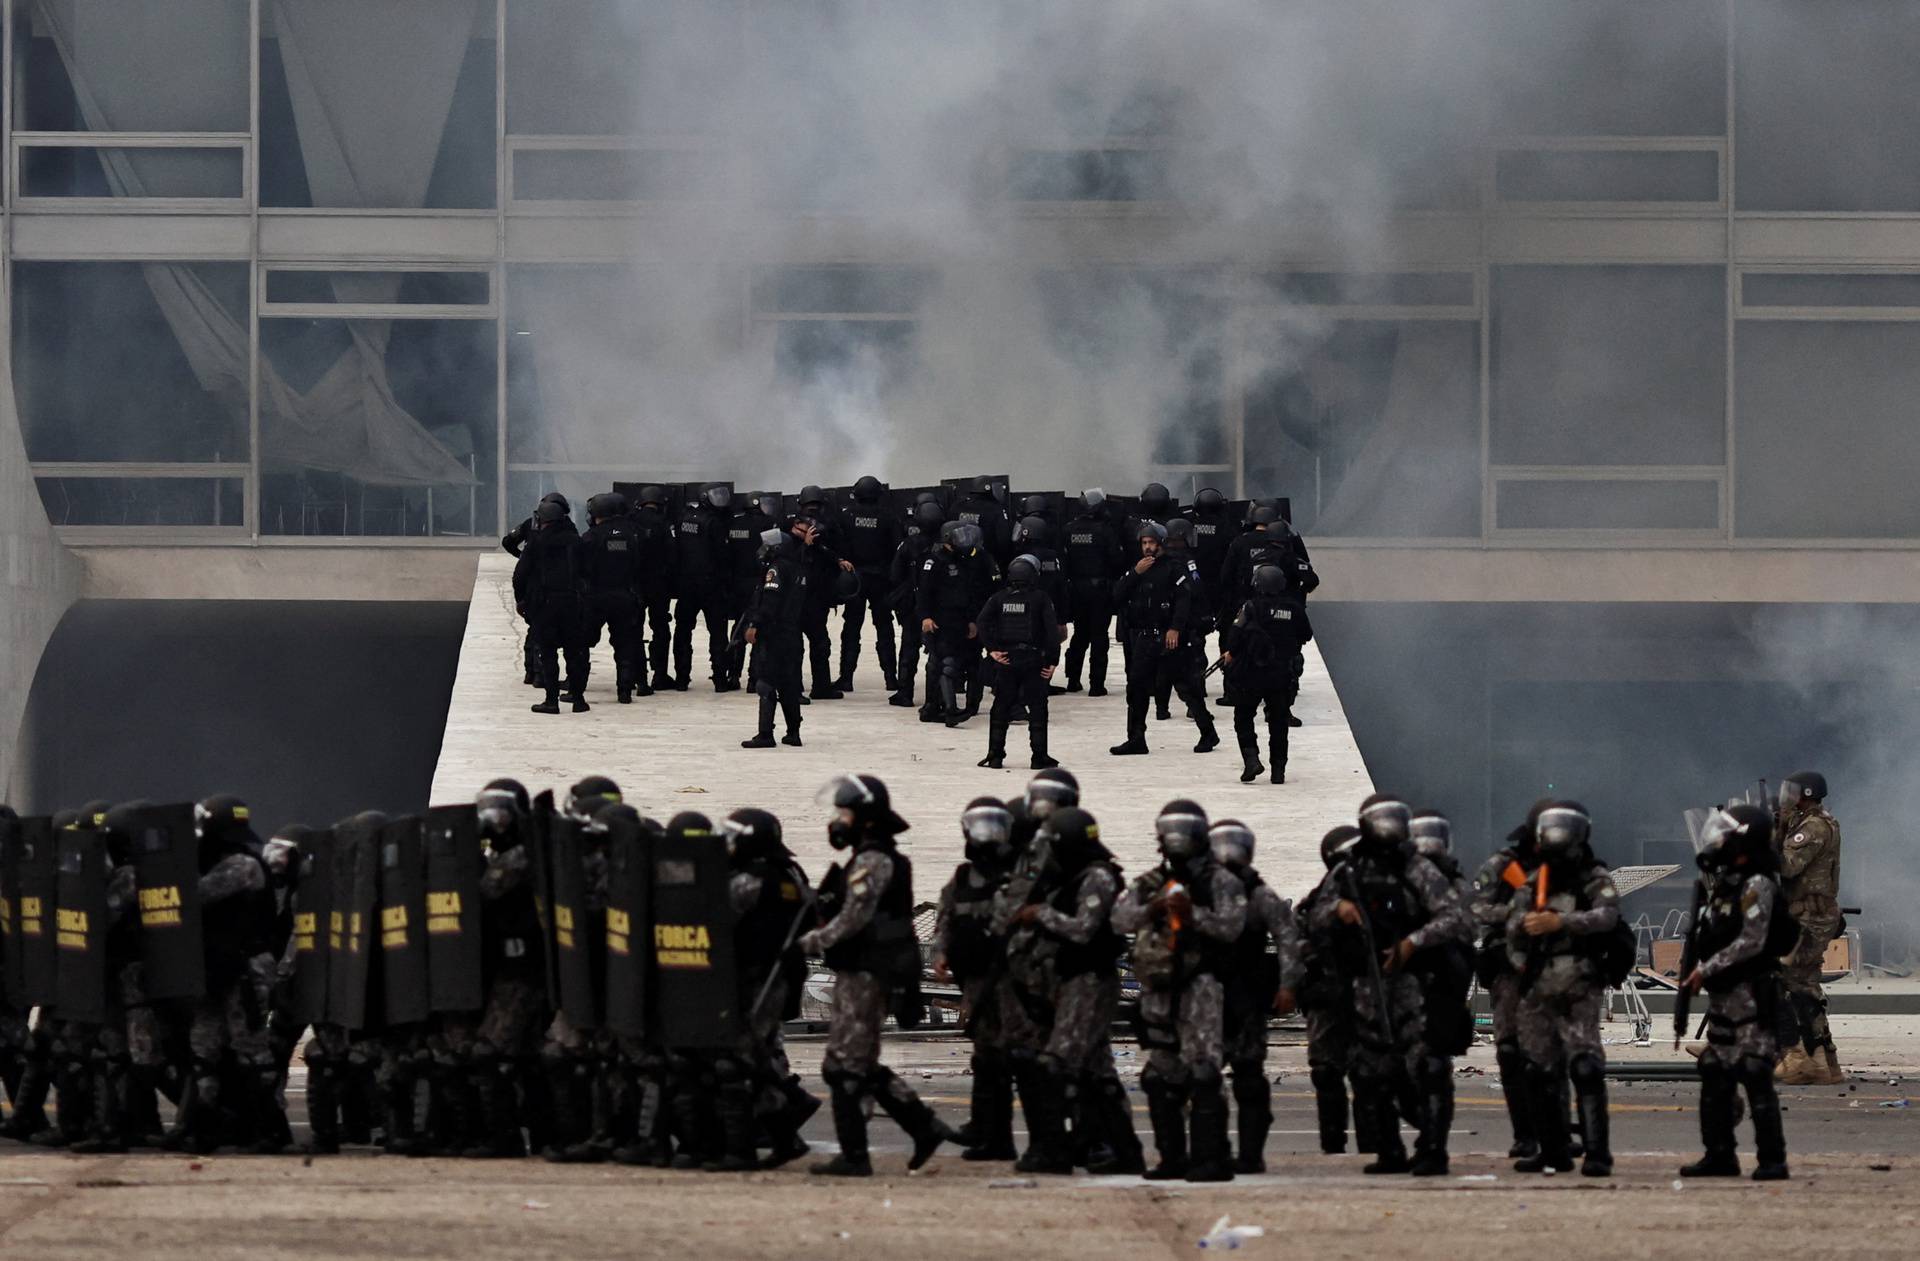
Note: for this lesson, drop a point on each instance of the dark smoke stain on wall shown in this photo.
(310, 711)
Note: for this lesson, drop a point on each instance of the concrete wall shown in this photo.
(41, 578)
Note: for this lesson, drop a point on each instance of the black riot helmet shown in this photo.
(1739, 836)
(846, 586)
(862, 807)
(500, 806)
(690, 825)
(594, 789)
(555, 497)
(1032, 530)
(982, 485)
(1093, 499)
(867, 490)
(1802, 788)
(1155, 498)
(1563, 829)
(282, 853)
(1334, 845)
(962, 536)
(987, 827)
(1432, 834)
(754, 835)
(1022, 572)
(610, 504)
(773, 541)
(1384, 819)
(1181, 829)
(652, 496)
(925, 497)
(94, 812)
(719, 497)
(812, 496)
(549, 513)
(1033, 506)
(65, 819)
(1151, 530)
(1073, 838)
(1179, 533)
(1263, 515)
(1269, 580)
(1209, 500)
(1050, 791)
(222, 823)
(116, 826)
(927, 514)
(1231, 842)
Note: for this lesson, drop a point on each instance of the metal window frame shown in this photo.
(730, 162)
(486, 310)
(1719, 146)
(104, 470)
(1743, 310)
(241, 141)
(1716, 474)
(1474, 310)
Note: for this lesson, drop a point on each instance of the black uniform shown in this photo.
(821, 558)
(700, 590)
(872, 533)
(654, 531)
(952, 589)
(615, 580)
(996, 528)
(744, 572)
(1093, 559)
(1019, 621)
(775, 618)
(903, 580)
(1264, 640)
(1167, 597)
(548, 589)
(1273, 545)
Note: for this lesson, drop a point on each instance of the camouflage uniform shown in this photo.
(1324, 998)
(860, 999)
(1249, 1003)
(1810, 874)
(971, 940)
(1735, 915)
(1490, 903)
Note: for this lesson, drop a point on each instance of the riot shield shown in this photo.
(31, 956)
(11, 980)
(403, 906)
(575, 944)
(166, 864)
(350, 939)
(312, 908)
(80, 925)
(696, 986)
(630, 844)
(454, 863)
(540, 841)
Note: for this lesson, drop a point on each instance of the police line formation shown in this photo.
(576, 979)
(993, 598)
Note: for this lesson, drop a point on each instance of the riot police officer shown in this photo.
(700, 584)
(1808, 839)
(1186, 915)
(953, 586)
(1325, 995)
(817, 527)
(1270, 541)
(866, 937)
(982, 508)
(614, 581)
(1491, 904)
(514, 542)
(871, 533)
(903, 579)
(1737, 938)
(1021, 633)
(1261, 651)
(1093, 559)
(773, 624)
(501, 1061)
(654, 532)
(1160, 600)
(749, 521)
(1445, 974)
(968, 950)
(549, 591)
(1254, 984)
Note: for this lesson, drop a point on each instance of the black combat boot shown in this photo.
(1330, 1106)
(567, 1122)
(551, 705)
(29, 1102)
(1512, 1062)
(1253, 1107)
(1717, 1088)
(911, 1114)
(403, 1131)
(691, 1100)
(733, 1105)
(271, 1134)
(1383, 1119)
(323, 1109)
(1550, 1124)
(1277, 754)
(1043, 1101)
(1250, 763)
(1212, 1156)
(1436, 1118)
(783, 1126)
(142, 1104)
(623, 682)
(499, 1128)
(1112, 1127)
(1167, 1110)
(849, 1127)
(988, 1135)
(1769, 1134)
(1590, 1082)
(1134, 745)
(1209, 734)
(578, 698)
(103, 1135)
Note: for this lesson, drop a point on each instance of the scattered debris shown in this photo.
(1679, 1184)
(1896, 1103)
(690, 788)
(1011, 1184)
(536, 1204)
(1227, 1237)
(1478, 1177)
(1881, 1168)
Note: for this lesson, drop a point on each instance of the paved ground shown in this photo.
(681, 751)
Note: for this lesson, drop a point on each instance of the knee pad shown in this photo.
(1589, 1072)
(950, 668)
(844, 1082)
(1206, 1080)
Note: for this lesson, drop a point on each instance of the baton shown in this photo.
(793, 931)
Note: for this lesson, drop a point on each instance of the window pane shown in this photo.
(614, 68)
(1826, 444)
(405, 288)
(1822, 90)
(841, 290)
(1608, 505)
(174, 501)
(1609, 365)
(370, 104)
(1610, 67)
(1545, 175)
(1326, 288)
(1760, 289)
(619, 174)
(1370, 428)
(120, 65)
(1089, 175)
(47, 171)
(131, 361)
(377, 427)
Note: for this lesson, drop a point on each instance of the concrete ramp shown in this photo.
(681, 751)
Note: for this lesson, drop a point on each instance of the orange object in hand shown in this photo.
(1540, 889)
(1515, 875)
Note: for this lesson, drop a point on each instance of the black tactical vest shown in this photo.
(972, 949)
(886, 946)
(235, 929)
(1101, 953)
(511, 934)
(761, 933)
